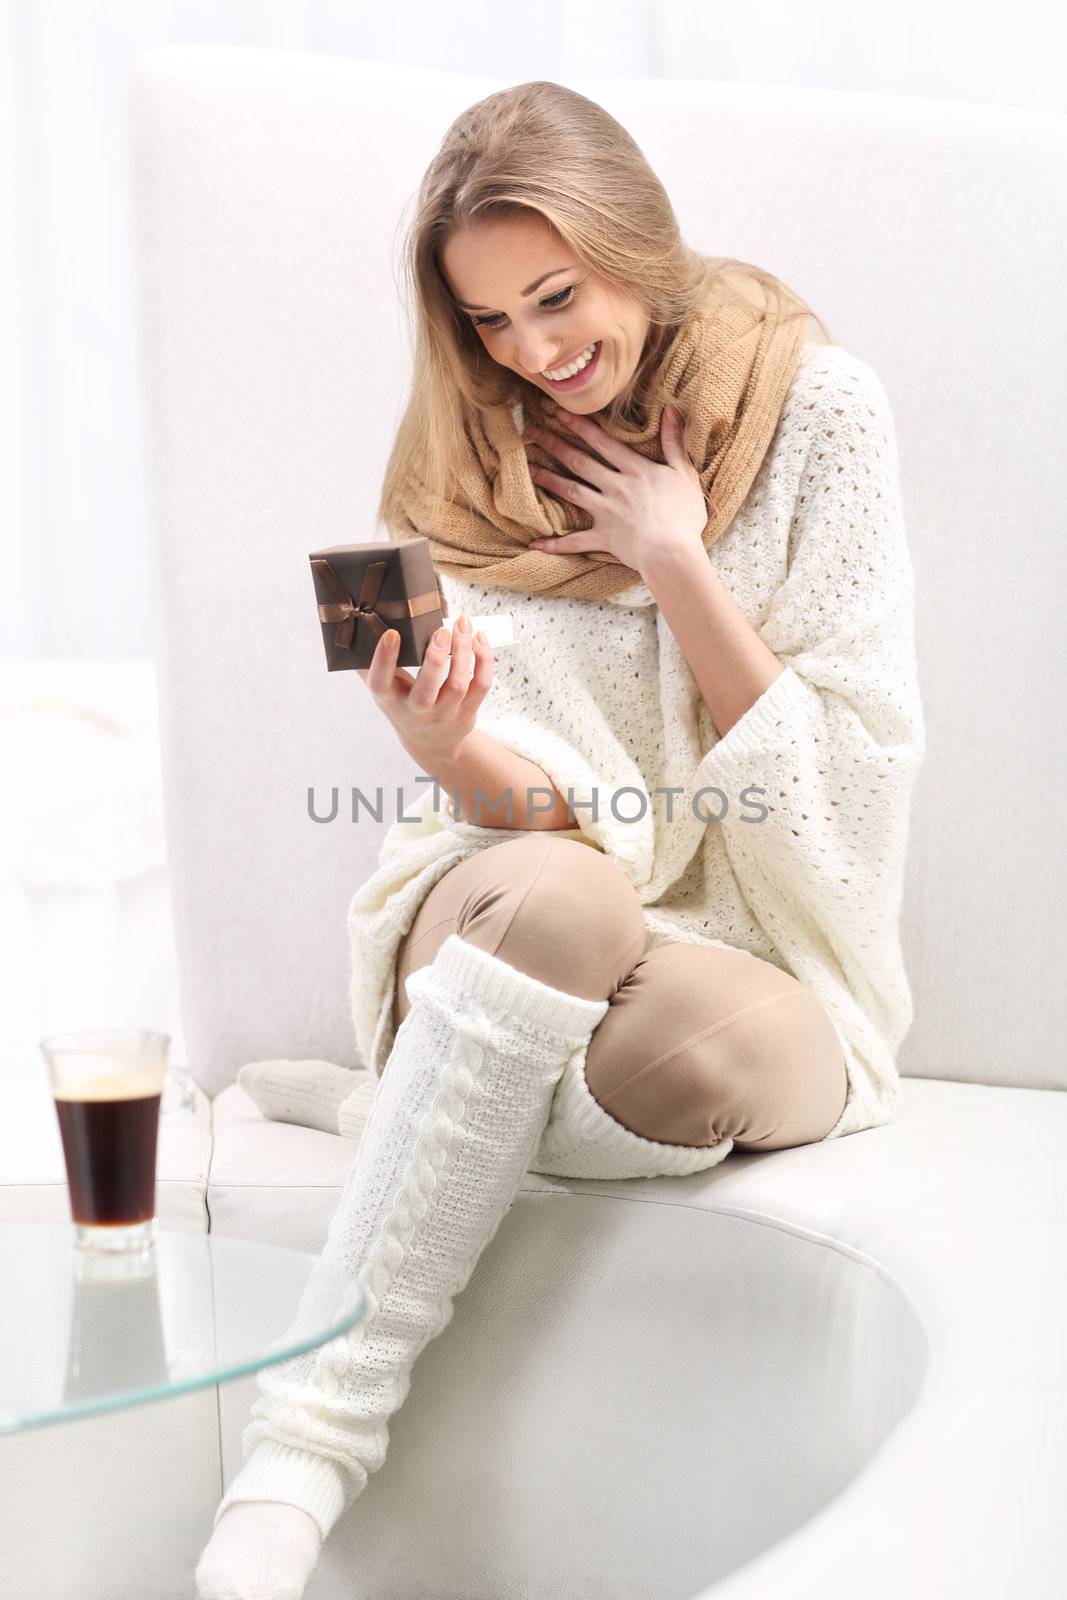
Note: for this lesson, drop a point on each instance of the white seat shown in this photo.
(826, 1371)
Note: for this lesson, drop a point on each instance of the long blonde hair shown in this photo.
(535, 148)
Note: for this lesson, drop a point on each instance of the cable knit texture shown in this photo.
(801, 858)
(453, 1127)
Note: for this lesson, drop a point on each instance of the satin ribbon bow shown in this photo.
(369, 608)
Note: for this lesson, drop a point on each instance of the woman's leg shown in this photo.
(701, 1048)
(464, 1098)
(556, 909)
(701, 1044)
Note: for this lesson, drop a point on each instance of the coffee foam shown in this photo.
(111, 1086)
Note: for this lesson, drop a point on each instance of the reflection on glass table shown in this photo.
(81, 1334)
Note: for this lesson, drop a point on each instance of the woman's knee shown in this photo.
(556, 909)
(701, 1044)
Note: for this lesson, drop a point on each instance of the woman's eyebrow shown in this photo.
(524, 292)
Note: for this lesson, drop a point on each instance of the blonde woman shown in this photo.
(655, 918)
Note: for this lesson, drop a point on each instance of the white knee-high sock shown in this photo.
(455, 1122)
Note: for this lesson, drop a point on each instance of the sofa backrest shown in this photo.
(271, 189)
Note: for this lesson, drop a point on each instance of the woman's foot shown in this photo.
(260, 1550)
(309, 1093)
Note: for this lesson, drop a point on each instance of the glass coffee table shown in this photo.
(82, 1334)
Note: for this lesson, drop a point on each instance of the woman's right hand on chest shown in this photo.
(433, 713)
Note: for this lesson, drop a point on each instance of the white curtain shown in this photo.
(85, 926)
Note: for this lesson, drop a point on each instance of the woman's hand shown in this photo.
(642, 510)
(433, 713)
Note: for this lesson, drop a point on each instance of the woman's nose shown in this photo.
(535, 357)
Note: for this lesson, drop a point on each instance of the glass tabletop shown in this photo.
(82, 1334)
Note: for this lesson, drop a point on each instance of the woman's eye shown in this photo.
(555, 300)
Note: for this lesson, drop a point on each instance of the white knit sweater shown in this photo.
(807, 872)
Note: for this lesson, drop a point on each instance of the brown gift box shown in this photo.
(365, 589)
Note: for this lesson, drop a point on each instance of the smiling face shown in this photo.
(565, 309)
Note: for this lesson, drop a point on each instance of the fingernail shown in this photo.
(441, 636)
(464, 621)
(480, 636)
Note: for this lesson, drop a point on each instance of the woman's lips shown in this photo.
(579, 377)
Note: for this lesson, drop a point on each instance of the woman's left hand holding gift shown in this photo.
(644, 512)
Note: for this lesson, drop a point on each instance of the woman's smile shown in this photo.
(580, 377)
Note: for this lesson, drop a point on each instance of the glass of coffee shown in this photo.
(107, 1084)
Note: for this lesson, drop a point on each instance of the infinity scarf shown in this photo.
(727, 370)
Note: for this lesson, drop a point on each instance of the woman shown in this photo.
(682, 935)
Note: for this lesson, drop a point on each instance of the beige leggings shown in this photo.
(698, 1043)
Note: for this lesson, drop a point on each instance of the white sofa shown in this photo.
(829, 1371)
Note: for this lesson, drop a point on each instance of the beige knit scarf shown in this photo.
(727, 370)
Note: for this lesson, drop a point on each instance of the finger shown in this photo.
(459, 675)
(670, 429)
(562, 545)
(579, 461)
(613, 450)
(582, 494)
(383, 676)
(482, 679)
(433, 669)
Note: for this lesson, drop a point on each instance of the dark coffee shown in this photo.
(109, 1134)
